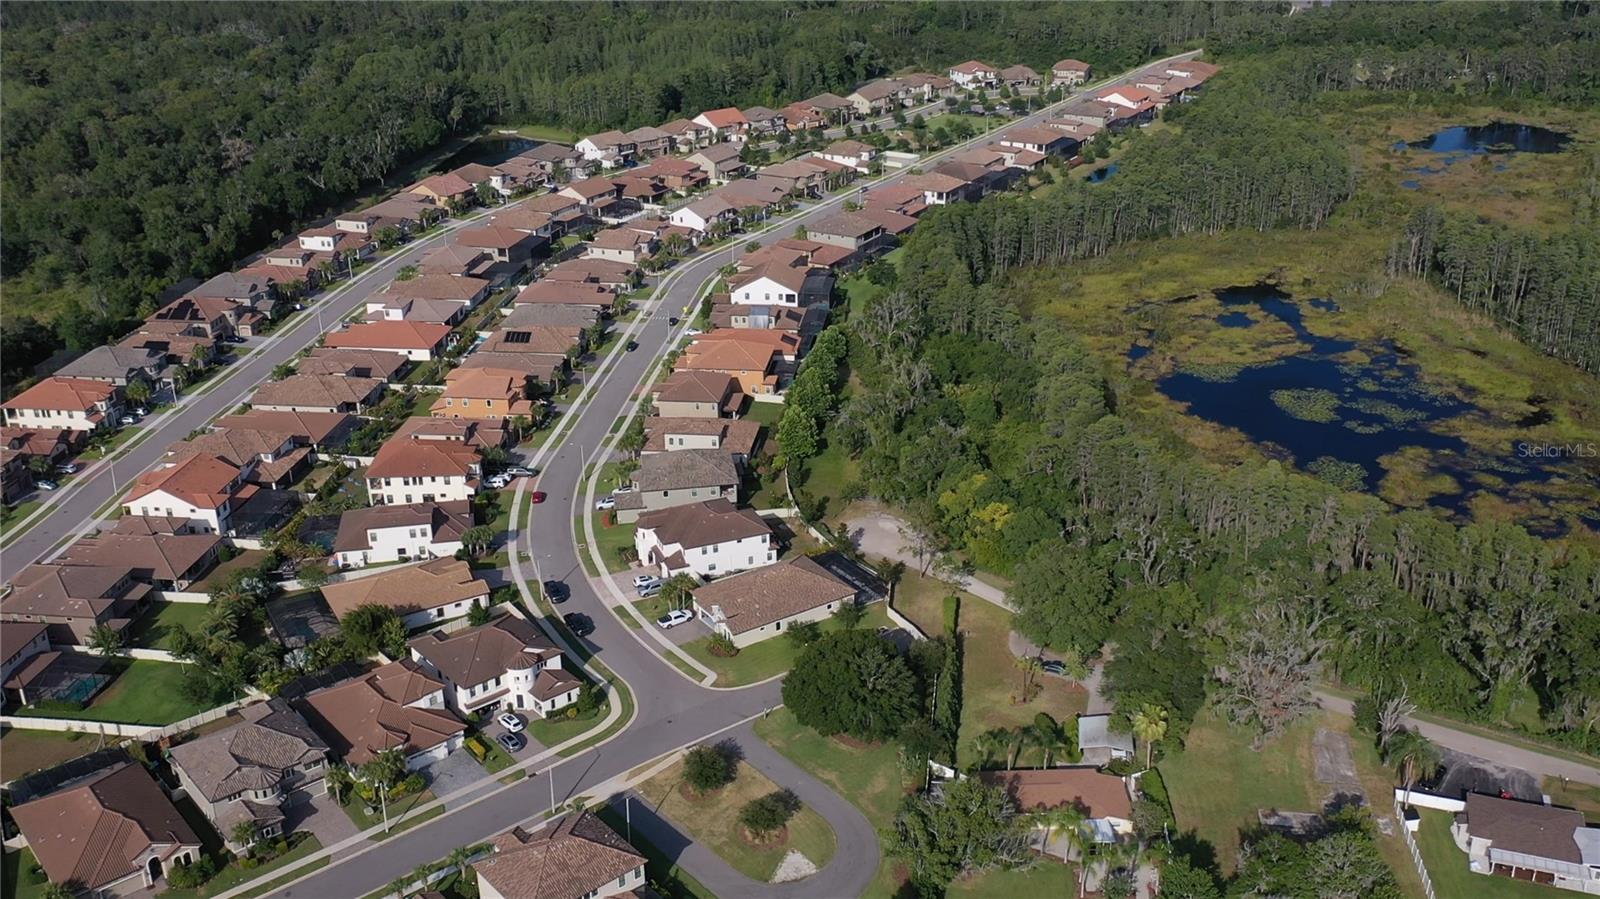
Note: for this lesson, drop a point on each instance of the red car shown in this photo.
(538, 496)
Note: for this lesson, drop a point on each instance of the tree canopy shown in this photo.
(852, 682)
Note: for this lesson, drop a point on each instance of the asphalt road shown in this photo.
(673, 710)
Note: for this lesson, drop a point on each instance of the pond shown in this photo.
(1102, 173)
(1460, 142)
(491, 150)
(1337, 408)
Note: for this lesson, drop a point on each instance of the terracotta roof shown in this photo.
(331, 391)
(439, 582)
(242, 447)
(68, 591)
(679, 126)
(390, 335)
(164, 557)
(566, 293)
(735, 435)
(879, 89)
(696, 387)
(936, 182)
(790, 276)
(112, 362)
(203, 481)
(544, 366)
(98, 831)
(521, 218)
(475, 173)
(704, 524)
(465, 432)
(756, 598)
(686, 468)
(1527, 827)
(826, 100)
(552, 203)
(251, 755)
(847, 148)
(1096, 795)
(35, 441)
(591, 188)
(230, 285)
(439, 287)
(477, 654)
(76, 394)
(400, 457)
(892, 222)
(718, 153)
(1070, 65)
(446, 185)
(365, 716)
(571, 859)
(646, 133)
(497, 238)
(314, 428)
(726, 117)
(972, 67)
(751, 192)
(445, 522)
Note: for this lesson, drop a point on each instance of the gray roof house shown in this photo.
(117, 365)
(245, 773)
(1099, 743)
(1529, 841)
(688, 476)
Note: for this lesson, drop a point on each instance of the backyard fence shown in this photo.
(179, 596)
(1416, 853)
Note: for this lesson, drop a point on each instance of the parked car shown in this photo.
(1057, 668)
(69, 468)
(605, 502)
(556, 592)
(633, 345)
(497, 481)
(128, 420)
(518, 471)
(578, 623)
(45, 484)
(641, 581)
(510, 722)
(234, 338)
(674, 618)
(672, 320)
(650, 590)
(141, 412)
(536, 496)
(625, 488)
(510, 742)
(693, 332)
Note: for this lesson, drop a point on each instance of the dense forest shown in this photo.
(999, 436)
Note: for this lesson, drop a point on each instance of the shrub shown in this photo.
(707, 768)
(766, 815)
(248, 862)
(722, 646)
(804, 634)
(187, 877)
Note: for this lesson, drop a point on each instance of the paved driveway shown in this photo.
(453, 772)
(323, 817)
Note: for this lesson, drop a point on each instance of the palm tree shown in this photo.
(460, 858)
(106, 640)
(1029, 666)
(1048, 736)
(1067, 818)
(991, 742)
(1414, 755)
(1150, 726)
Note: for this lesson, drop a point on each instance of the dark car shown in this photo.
(633, 345)
(556, 591)
(672, 320)
(578, 623)
(1059, 669)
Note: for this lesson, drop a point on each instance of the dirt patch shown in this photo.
(690, 794)
(776, 838)
(795, 866)
(853, 743)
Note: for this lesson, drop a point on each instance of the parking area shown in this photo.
(491, 730)
(454, 772)
(318, 814)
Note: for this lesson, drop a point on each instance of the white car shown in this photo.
(510, 722)
(641, 581)
(497, 481)
(674, 618)
(693, 332)
(605, 502)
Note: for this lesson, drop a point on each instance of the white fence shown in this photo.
(903, 622)
(178, 596)
(1428, 800)
(146, 732)
(1411, 844)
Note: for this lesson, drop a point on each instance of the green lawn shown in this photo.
(712, 821)
(146, 692)
(155, 629)
(554, 731)
(1447, 866)
(235, 873)
(1046, 878)
(25, 751)
(768, 658)
(245, 559)
(13, 518)
(871, 777)
(663, 873)
(15, 879)
(765, 414)
(356, 809)
(826, 475)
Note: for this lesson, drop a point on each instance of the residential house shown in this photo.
(19, 642)
(408, 471)
(454, 433)
(400, 533)
(707, 539)
(272, 459)
(905, 199)
(414, 309)
(795, 177)
(687, 135)
(857, 233)
(763, 121)
(925, 86)
(321, 431)
(1051, 141)
(19, 446)
(568, 293)
(720, 162)
(70, 404)
(417, 341)
(398, 706)
(463, 289)
(566, 213)
(804, 322)
(644, 193)
(1069, 72)
(1020, 76)
(734, 436)
(252, 770)
(430, 592)
(704, 214)
(752, 195)
(1528, 841)
(649, 142)
(1079, 131)
(507, 663)
(679, 175)
(301, 392)
(893, 223)
(486, 393)
(164, 561)
(800, 116)
(598, 197)
(611, 149)
(72, 600)
(369, 222)
(443, 189)
(1095, 113)
(531, 221)
(697, 394)
(577, 857)
(257, 293)
(508, 247)
(1193, 68)
(346, 246)
(979, 180)
(974, 74)
(853, 153)
(761, 361)
(1100, 743)
(203, 490)
(381, 364)
(112, 833)
(117, 365)
(214, 318)
(498, 177)
(541, 339)
(877, 98)
(1103, 799)
(940, 189)
(836, 108)
(557, 161)
(527, 315)
(622, 245)
(726, 124)
(607, 273)
(776, 284)
(763, 602)
(664, 480)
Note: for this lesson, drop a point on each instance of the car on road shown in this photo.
(510, 722)
(605, 502)
(69, 468)
(640, 581)
(1055, 667)
(672, 320)
(536, 496)
(510, 742)
(578, 623)
(633, 345)
(556, 592)
(497, 481)
(45, 484)
(518, 471)
(674, 618)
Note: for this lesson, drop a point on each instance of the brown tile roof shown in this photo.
(401, 335)
(758, 597)
(252, 755)
(570, 859)
(445, 521)
(446, 185)
(406, 458)
(703, 524)
(528, 314)
(890, 221)
(475, 173)
(737, 435)
(1070, 65)
(696, 387)
(552, 204)
(77, 394)
(314, 428)
(621, 239)
(544, 366)
(472, 656)
(98, 831)
(1018, 73)
(361, 363)
(845, 224)
(1096, 795)
(686, 468)
(591, 188)
(726, 117)
(1527, 827)
(16, 635)
(365, 716)
(244, 447)
(521, 218)
(545, 339)
(498, 238)
(203, 481)
(601, 271)
(408, 589)
(68, 591)
(972, 67)
(318, 391)
(566, 293)
(164, 557)
(440, 287)
(717, 153)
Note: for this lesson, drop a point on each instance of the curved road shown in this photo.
(672, 710)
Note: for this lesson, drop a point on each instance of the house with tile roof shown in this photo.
(1020, 76)
(1069, 72)
(727, 123)
(112, 833)
(507, 663)
(567, 293)
(248, 772)
(576, 857)
(762, 361)
(735, 436)
(442, 189)
(117, 365)
(720, 161)
(606, 273)
(380, 364)
(320, 431)
(201, 489)
(161, 558)
(488, 393)
(398, 706)
(664, 480)
(763, 602)
(266, 458)
(305, 392)
(433, 591)
(73, 404)
(687, 135)
(407, 470)
(70, 601)
(417, 341)
(697, 394)
(706, 539)
(400, 533)
(974, 74)
(1104, 800)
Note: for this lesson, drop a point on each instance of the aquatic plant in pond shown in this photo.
(1308, 403)
(1339, 473)
(1495, 137)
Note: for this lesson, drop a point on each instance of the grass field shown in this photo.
(357, 811)
(25, 751)
(14, 877)
(155, 629)
(1447, 866)
(770, 657)
(146, 692)
(713, 821)
(1046, 878)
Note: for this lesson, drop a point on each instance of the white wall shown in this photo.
(443, 489)
(442, 613)
(389, 544)
(714, 559)
(771, 630)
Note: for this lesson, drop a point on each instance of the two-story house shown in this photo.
(72, 404)
(409, 471)
(706, 539)
(593, 860)
(697, 394)
(974, 74)
(505, 664)
(665, 480)
(398, 706)
(400, 533)
(72, 600)
(202, 490)
(428, 593)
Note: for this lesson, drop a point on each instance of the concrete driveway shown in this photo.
(453, 772)
(322, 817)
